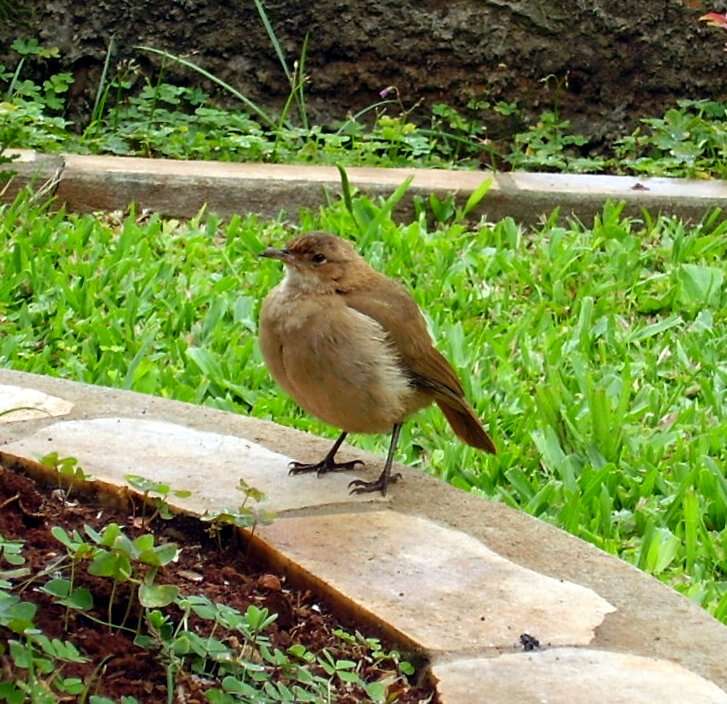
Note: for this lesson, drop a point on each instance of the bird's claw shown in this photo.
(322, 467)
(361, 486)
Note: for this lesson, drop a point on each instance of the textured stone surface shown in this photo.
(651, 619)
(210, 465)
(572, 676)
(440, 587)
(29, 168)
(181, 188)
(21, 403)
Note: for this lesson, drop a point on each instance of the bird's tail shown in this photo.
(466, 424)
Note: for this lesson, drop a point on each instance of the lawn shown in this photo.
(596, 352)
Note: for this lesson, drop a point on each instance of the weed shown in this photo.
(689, 140)
(66, 468)
(244, 516)
(11, 552)
(149, 486)
(118, 557)
(34, 656)
(548, 146)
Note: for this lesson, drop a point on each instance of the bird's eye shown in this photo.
(318, 258)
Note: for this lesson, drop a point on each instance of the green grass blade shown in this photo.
(274, 40)
(347, 197)
(102, 90)
(300, 80)
(691, 527)
(15, 78)
(655, 328)
(476, 196)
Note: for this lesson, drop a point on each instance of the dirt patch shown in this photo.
(117, 664)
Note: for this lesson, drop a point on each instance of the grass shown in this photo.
(596, 352)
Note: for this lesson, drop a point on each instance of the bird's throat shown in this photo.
(298, 282)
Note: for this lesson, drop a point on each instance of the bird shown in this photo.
(351, 347)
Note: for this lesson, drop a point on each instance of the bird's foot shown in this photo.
(360, 486)
(323, 467)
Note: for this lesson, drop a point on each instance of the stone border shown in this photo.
(454, 576)
(42, 171)
(181, 188)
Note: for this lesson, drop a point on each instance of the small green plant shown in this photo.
(296, 76)
(548, 146)
(11, 551)
(37, 659)
(118, 557)
(233, 654)
(244, 516)
(229, 652)
(689, 140)
(135, 114)
(68, 469)
(64, 590)
(160, 502)
(376, 651)
(40, 660)
(30, 114)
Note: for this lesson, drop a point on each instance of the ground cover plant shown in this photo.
(596, 352)
(137, 114)
(100, 604)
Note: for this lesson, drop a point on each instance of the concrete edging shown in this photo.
(457, 577)
(181, 188)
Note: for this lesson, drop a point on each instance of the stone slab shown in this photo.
(19, 403)
(572, 676)
(651, 619)
(181, 188)
(208, 464)
(29, 168)
(439, 587)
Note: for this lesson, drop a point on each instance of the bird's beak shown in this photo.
(272, 253)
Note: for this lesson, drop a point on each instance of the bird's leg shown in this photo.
(359, 486)
(327, 464)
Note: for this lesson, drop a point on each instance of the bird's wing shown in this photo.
(393, 308)
(390, 305)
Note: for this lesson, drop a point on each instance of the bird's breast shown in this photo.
(337, 363)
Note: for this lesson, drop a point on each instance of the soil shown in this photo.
(28, 512)
(603, 64)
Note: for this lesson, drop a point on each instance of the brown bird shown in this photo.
(352, 348)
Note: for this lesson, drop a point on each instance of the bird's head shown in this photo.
(319, 263)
